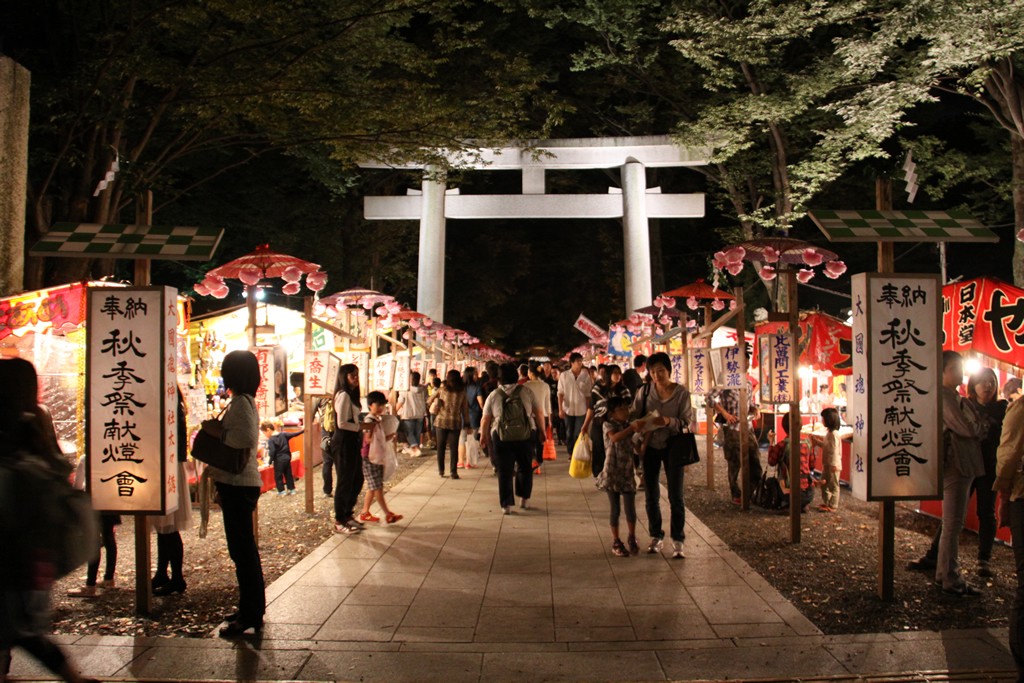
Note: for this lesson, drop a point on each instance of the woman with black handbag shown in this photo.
(239, 493)
(662, 447)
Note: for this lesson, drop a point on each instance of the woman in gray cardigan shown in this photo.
(239, 493)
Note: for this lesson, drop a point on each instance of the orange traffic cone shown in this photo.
(549, 446)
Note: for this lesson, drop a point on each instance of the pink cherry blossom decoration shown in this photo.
(1020, 234)
(291, 274)
(833, 269)
(734, 267)
(691, 303)
(735, 255)
(767, 273)
(732, 305)
(812, 258)
(220, 292)
(316, 281)
(718, 305)
(201, 289)
(427, 322)
(770, 255)
(407, 335)
(291, 288)
(804, 275)
(250, 274)
(664, 320)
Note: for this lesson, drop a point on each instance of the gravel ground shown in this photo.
(830, 576)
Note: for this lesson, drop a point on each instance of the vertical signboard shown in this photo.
(320, 374)
(403, 366)
(700, 371)
(731, 377)
(265, 393)
(131, 399)
(361, 360)
(678, 368)
(777, 364)
(896, 400)
(383, 373)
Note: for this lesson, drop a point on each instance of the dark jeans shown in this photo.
(349, 465)
(283, 473)
(170, 551)
(515, 471)
(654, 458)
(573, 427)
(109, 541)
(327, 470)
(985, 502)
(238, 503)
(1017, 609)
(447, 439)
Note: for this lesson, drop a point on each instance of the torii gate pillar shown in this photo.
(430, 284)
(636, 237)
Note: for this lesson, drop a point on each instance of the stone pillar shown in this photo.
(14, 111)
(636, 239)
(430, 288)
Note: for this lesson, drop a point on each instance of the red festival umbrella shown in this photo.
(261, 264)
(698, 290)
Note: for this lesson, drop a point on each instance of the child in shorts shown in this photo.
(372, 472)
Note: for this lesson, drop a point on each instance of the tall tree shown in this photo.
(971, 48)
(210, 85)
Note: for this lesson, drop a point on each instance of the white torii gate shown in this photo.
(634, 202)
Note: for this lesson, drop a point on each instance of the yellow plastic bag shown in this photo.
(579, 465)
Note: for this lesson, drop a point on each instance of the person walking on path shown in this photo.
(26, 566)
(608, 385)
(1009, 483)
(468, 439)
(727, 405)
(675, 415)
(451, 416)
(619, 479)
(373, 473)
(345, 446)
(542, 397)
(574, 386)
(240, 493)
(512, 452)
(633, 378)
(411, 409)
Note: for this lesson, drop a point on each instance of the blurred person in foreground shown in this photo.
(27, 570)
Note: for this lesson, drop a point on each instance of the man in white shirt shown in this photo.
(542, 398)
(411, 409)
(574, 388)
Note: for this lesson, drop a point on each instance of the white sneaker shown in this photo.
(525, 504)
(677, 550)
(507, 510)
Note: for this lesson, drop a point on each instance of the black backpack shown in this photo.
(514, 423)
(768, 494)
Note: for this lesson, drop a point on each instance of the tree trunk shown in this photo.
(1017, 148)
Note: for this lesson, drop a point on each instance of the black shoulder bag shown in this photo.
(209, 447)
(682, 446)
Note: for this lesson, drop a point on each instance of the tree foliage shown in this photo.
(184, 92)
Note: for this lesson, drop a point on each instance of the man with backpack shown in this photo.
(506, 423)
(325, 418)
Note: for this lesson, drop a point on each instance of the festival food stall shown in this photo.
(48, 328)
(825, 365)
(983, 319)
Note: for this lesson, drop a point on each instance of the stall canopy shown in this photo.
(984, 316)
(830, 342)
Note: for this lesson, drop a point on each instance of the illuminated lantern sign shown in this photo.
(320, 373)
(678, 368)
(778, 368)
(895, 401)
(272, 394)
(131, 399)
(403, 368)
(731, 377)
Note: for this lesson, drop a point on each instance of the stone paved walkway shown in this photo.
(459, 592)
